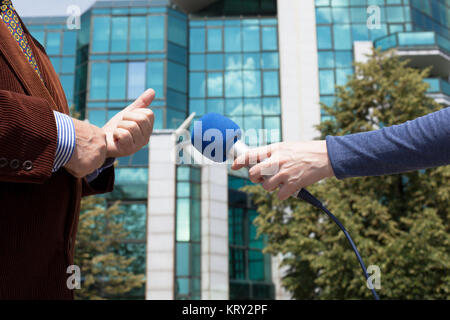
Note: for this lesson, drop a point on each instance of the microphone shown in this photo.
(218, 138)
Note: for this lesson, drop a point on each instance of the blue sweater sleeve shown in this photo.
(417, 144)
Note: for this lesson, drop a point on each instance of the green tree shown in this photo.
(399, 222)
(104, 272)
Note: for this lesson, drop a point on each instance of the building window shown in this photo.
(249, 268)
(188, 233)
(233, 69)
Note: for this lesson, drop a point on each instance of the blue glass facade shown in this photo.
(234, 70)
(188, 233)
(341, 22)
(249, 268)
(60, 45)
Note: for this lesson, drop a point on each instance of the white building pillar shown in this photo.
(277, 274)
(161, 218)
(214, 232)
(299, 69)
(362, 50)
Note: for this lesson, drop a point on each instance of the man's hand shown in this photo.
(290, 166)
(129, 130)
(90, 149)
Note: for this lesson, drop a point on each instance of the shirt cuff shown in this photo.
(108, 163)
(66, 140)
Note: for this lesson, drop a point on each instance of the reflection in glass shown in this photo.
(99, 76)
(197, 84)
(251, 61)
(270, 83)
(68, 65)
(342, 76)
(269, 60)
(215, 105)
(252, 83)
(233, 41)
(56, 63)
(138, 34)
(326, 80)
(53, 43)
(234, 107)
(197, 106)
(251, 38)
(252, 107)
(197, 40)
(233, 61)
(156, 33)
(117, 80)
(183, 220)
(324, 37)
(197, 62)
(176, 76)
(69, 43)
(183, 173)
(271, 106)
(215, 84)
(119, 26)
(269, 38)
(182, 260)
(177, 30)
(342, 37)
(344, 59)
(214, 61)
(136, 79)
(101, 34)
(183, 189)
(233, 84)
(182, 286)
(214, 39)
(255, 265)
(326, 59)
(155, 77)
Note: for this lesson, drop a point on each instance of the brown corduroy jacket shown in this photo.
(38, 210)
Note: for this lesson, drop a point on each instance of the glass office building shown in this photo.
(417, 24)
(266, 64)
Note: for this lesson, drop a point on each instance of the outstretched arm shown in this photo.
(417, 144)
(413, 145)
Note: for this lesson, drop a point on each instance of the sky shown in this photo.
(38, 8)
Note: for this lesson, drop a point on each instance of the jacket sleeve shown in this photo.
(103, 183)
(418, 144)
(28, 138)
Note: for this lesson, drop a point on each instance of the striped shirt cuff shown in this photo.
(66, 140)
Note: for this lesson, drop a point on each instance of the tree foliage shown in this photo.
(399, 222)
(104, 272)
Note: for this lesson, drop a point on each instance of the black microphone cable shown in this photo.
(308, 197)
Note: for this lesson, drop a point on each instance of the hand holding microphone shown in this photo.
(297, 164)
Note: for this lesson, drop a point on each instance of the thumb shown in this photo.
(144, 100)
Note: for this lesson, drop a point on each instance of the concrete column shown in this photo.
(161, 218)
(362, 50)
(277, 274)
(214, 232)
(299, 69)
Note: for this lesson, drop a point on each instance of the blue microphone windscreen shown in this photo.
(213, 135)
